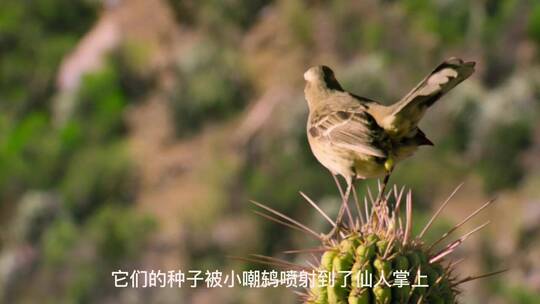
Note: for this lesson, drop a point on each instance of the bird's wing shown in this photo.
(406, 113)
(352, 129)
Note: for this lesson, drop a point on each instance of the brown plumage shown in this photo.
(356, 137)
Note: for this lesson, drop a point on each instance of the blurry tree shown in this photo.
(534, 23)
(501, 165)
(448, 20)
(300, 21)
(131, 63)
(216, 16)
(212, 85)
(34, 37)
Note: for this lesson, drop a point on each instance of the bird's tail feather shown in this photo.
(406, 113)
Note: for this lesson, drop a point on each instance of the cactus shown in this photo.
(374, 259)
(377, 268)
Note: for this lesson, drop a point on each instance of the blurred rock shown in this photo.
(15, 264)
(36, 210)
(531, 215)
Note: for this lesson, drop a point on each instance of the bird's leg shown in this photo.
(345, 197)
(383, 187)
(338, 186)
(389, 167)
(377, 205)
(344, 206)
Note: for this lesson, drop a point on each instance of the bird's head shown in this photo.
(320, 80)
(316, 73)
(322, 75)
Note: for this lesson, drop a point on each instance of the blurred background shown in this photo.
(133, 133)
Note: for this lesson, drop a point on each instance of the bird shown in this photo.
(358, 138)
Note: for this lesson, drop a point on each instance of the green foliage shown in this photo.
(28, 154)
(99, 106)
(534, 23)
(218, 15)
(516, 293)
(462, 129)
(34, 153)
(418, 173)
(96, 175)
(84, 286)
(300, 21)
(212, 87)
(92, 169)
(498, 15)
(500, 164)
(135, 75)
(238, 12)
(83, 159)
(118, 232)
(112, 237)
(59, 240)
(97, 185)
(355, 30)
(448, 20)
(34, 36)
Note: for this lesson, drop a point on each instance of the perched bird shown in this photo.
(359, 138)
